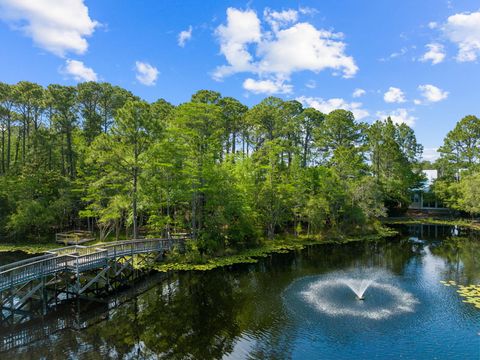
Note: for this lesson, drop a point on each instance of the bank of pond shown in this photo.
(420, 291)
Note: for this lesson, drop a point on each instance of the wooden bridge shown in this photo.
(77, 315)
(28, 288)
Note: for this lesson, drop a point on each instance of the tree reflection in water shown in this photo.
(239, 310)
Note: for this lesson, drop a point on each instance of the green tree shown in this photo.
(342, 143)
(461, 146)
(62, 101)
(394, 156)
(123, 153)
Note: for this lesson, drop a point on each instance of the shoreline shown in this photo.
(249, 255)
(266, 247)
(269, 247)
(409, 220)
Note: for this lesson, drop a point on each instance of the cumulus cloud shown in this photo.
(79, 71)
(184, 36)
(146, 73)
(242, 28)
(303, 47)
(464, 30)
(326, 106)
(59, 28)
(398, 116)
(278, 19)
(289, 46)
(358, 93)
(267, 86)
(431, 93)
(394, 95)
(435, 53)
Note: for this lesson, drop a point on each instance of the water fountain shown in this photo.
(363, 293)
(358, 286)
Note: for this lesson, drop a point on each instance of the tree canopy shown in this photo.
(96, 156)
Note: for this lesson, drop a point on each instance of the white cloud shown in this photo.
(402, 52)
(432, 93)
(398, 116)
(395, 54)
(243, 28)
(305, 10)
(289, 46)
(79, 71)
(432, 25)
(279, 19)
(326, 106)
(430, 154)
(464, 30)
(303, 47)
(358, 93)
(394, 95)
(435, 53)
(184, 36)
(146, 73)
(59, 28)
(267, 86)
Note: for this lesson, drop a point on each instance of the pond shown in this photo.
(302, 305)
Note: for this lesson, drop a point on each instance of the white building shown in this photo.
(424, 198)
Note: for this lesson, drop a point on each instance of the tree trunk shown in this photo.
(234, 140)
(305, 150)
(134, 191)
(9, 140)
(24, 136)
(134, 204)
(17, 148)
(70, 157)
(3, 151)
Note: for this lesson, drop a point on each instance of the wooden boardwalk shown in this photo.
(73, 271)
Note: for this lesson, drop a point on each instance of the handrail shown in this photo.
(33, 263)
(58, 259)
(29, 260)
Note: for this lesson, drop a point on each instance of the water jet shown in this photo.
(358, 286)
(344, 293)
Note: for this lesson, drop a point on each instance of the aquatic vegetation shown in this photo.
(248, 256)
(29, 248)
(470, 224)
(470, 293)
(276, 246)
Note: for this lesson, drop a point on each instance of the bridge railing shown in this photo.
(86, 260)
(25, 261)
(74, 250)
(24, 272)
(77, 258)
(137, 246)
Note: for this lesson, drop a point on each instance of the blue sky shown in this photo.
(415, 60)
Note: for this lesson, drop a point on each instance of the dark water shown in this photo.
(287, 306)
(8, 257)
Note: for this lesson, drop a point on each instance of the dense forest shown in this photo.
(458, 185)
(97, 157)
